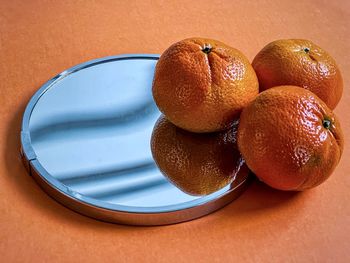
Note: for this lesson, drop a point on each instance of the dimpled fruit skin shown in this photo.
(284, 142)
(285, 62)
(202, 92)
(198, 164)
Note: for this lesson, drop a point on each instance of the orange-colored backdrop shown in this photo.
(39, 39)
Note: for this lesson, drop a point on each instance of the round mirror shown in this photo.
(91, 139)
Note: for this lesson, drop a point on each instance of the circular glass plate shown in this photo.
(86, 139)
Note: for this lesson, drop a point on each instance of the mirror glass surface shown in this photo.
(91, 130)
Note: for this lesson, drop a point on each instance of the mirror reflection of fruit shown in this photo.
(201, 85)
(198, 164)
(289, 138)
(301, 63)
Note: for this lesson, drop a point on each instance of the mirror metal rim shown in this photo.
(103, 210)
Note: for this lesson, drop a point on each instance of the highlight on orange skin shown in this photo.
(198, 164)
(289, 138)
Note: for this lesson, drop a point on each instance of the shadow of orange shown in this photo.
(260, 196)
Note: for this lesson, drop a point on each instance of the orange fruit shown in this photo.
(289, 138)
(301, 63)
(198, 164)
(201, 85)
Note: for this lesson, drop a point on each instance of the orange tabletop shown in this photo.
(39, 39)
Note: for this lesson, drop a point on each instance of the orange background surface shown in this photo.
(39, 39)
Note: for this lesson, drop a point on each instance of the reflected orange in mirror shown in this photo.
(198, 164)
